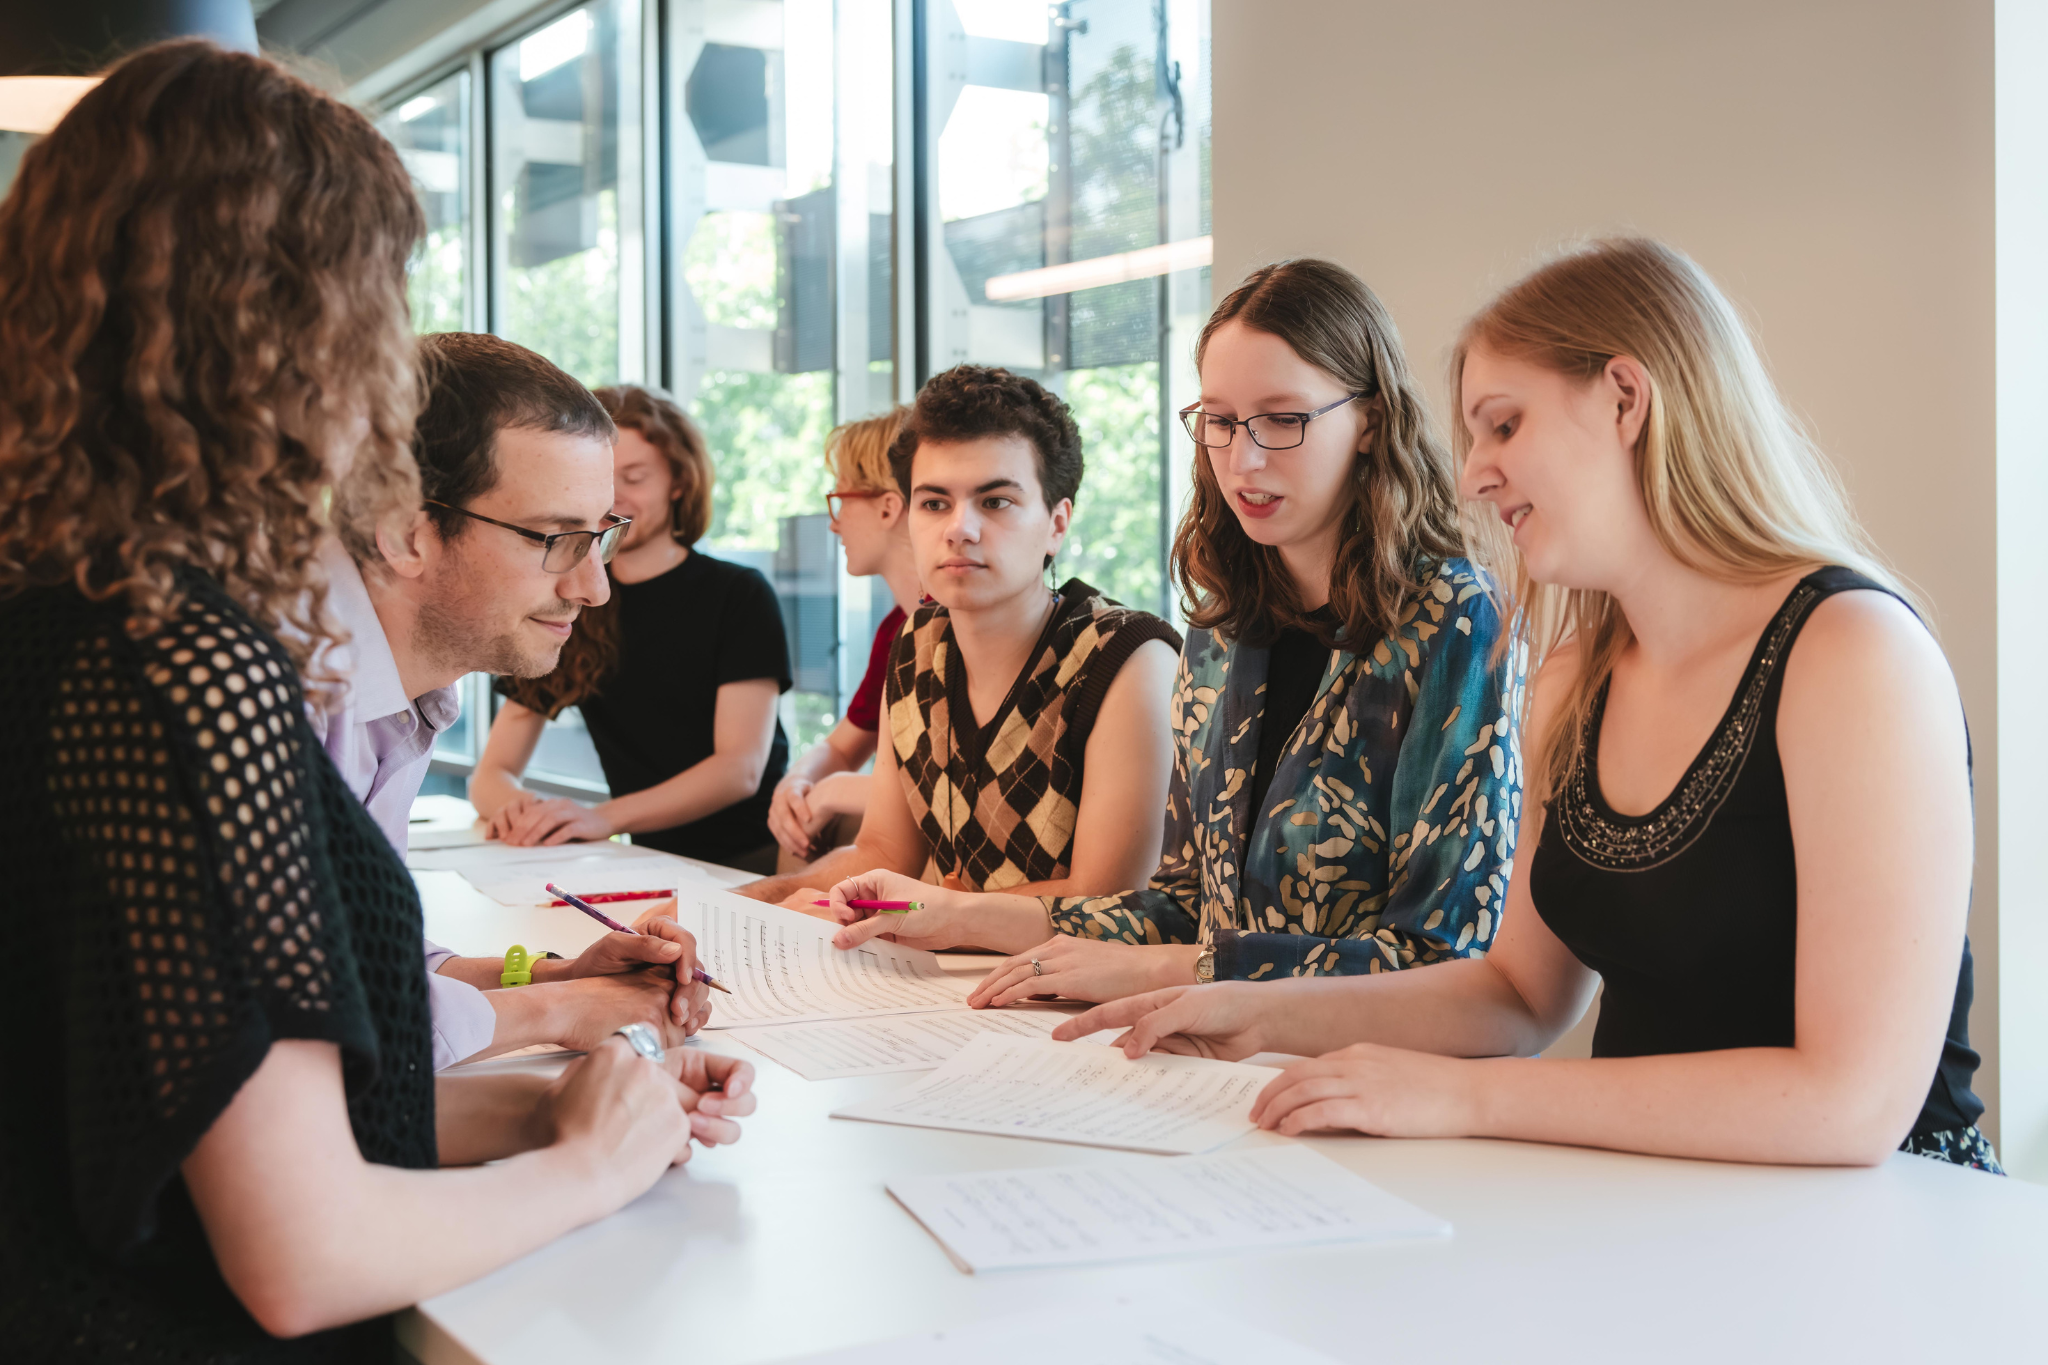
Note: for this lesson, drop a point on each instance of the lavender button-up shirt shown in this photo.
(382, 741)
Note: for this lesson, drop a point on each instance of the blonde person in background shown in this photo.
(1749, 809)
(818, 805)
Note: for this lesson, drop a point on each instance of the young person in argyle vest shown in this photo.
(1027, 747)
(1347, 781)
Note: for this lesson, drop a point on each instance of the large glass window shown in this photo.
(431, 132)
(719, 215)
(780, 166)
(567, 217)
(1062, 146)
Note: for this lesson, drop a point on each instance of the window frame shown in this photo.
(666, 201)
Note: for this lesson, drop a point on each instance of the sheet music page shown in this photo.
(904, 1042)
(1172, 1332)
(782, 968)
(519, 876)
(1078, 1092)
(1231, 1202)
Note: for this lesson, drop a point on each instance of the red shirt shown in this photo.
(865, 710)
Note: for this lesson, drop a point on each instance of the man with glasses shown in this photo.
(507, 548)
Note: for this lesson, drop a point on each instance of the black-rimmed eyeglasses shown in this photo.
(563, 550)
(1269, 430)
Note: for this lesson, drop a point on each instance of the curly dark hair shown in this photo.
(1404, 491)
(593, 647)
(202, 319)
(969, 402)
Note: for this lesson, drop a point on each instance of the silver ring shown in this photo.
(643, 1041)
(1037, 967)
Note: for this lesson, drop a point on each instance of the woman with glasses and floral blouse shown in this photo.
(1347, 779)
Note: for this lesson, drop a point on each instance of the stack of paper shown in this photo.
(519, 876)
(1262, 1200)
(443, 822)
(827, 1012)
(1063, 1092)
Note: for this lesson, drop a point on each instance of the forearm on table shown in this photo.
(527, 1015)
(490, 788)
(1006, 921)
(702, 789)
(387, 1237)
(1456, 1009)
(834, 867)
(1743, 1104)
(487, 1118)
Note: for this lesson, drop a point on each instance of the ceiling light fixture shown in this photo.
(1096, 271)
(50, 52)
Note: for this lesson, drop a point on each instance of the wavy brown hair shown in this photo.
(1404, 514)
(202, 305)
(593, 647)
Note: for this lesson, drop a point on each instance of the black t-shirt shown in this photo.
(1294, 668)
(682, 636)
(191, 881)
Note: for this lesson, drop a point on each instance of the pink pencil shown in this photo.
(886, 907)
(577, 902)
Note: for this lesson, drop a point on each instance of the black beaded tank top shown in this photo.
(1690, 912)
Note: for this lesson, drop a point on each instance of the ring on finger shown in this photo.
(1037, 967)
(642, 1040)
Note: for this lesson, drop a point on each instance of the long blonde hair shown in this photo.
(1734, 488)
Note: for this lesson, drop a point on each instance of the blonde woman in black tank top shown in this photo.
(1748, 772)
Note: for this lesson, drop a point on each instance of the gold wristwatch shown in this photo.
(1205, 965)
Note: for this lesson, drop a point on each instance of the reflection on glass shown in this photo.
(565, 147)
(1066, 133)
(431, 132)
(784, 155)
(566, 754)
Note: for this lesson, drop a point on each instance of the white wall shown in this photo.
(2023, 575)
(1830, 162)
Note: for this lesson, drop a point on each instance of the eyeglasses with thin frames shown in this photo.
(835, 501)
(563, 550)
(1268, 430)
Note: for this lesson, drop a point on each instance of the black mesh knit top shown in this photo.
(187, 879)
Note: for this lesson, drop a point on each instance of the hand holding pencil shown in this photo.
(681, 937)
(901, 909)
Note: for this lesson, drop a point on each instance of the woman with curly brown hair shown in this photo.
(229, 1124)
(677, 675)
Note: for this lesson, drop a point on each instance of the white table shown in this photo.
(787, 1244)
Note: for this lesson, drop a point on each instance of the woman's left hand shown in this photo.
(1085, 969)
(1385, 1091)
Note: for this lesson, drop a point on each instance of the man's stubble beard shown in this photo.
(457, 638)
